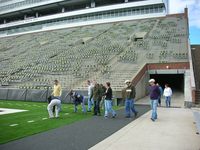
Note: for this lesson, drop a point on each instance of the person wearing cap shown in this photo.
(154, 96)
(128, 94)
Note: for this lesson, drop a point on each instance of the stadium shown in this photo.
(104, 40)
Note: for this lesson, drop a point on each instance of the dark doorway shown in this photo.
(175, 81)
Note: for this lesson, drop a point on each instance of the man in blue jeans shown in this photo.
(77, 99)
(154, 96)
(90, 101)
(128, 94)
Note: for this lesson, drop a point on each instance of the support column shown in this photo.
(187, 90)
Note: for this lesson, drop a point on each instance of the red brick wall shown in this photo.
(177, 65)
(157, 66)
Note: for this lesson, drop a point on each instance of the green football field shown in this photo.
(35, 120)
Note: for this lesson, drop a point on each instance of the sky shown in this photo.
(177, 6)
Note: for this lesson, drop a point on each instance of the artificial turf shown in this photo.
(36, 111)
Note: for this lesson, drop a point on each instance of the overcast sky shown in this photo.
(177, 6)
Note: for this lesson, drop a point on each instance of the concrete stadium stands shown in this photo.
(106, 52)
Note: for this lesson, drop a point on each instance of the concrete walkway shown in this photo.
(176, 101)
(174, 130)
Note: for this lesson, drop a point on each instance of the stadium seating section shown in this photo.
(106, 52)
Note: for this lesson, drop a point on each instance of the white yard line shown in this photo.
(30, 121)
(12, 125)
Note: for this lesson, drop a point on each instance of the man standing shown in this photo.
(161, 91)
(57, 90)
(167, 94)
(128, 94)
(96, 95)
(154, 95)
(90, 101)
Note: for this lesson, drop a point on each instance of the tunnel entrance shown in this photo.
(175, 81)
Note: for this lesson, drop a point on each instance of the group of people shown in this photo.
(98, 94)
(102, 95)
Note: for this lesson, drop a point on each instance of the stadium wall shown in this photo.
(32, 95)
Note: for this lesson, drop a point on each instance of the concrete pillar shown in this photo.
(25, 16)
(125, 1)
(4, 21)
(187, 89)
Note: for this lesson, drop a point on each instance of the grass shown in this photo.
(36, 111)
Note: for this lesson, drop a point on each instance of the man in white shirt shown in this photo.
(167, 94)
(90, 101)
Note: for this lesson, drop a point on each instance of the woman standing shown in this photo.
(108, 101)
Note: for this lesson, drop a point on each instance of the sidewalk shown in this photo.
(177, 100)
(174, 130)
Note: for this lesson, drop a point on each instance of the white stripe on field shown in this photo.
(12, 125)
(30, 121)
